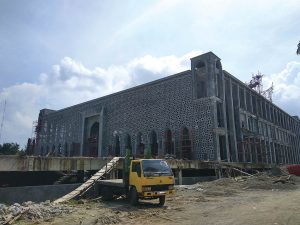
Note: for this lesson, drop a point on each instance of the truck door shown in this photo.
(135, 176)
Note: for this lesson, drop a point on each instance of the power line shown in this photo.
(2, 121)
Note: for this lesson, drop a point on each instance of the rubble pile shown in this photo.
(232, 185)
(35, 212)
(267, 181)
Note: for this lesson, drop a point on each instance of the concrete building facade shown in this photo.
(204, 113)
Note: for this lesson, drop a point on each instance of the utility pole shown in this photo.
(2, 121)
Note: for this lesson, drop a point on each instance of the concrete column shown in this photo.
(215, 117)
(134, 147)
(245, 108)
(255, 149)
(294, 149)
(286, 154)
(100, 142)
(298, 150)
(217, 146)
(270, 152)
(122, 145)
(180, 177)
(232, 122)
(264, 105)
(224, 113)
(250, 149)
(163, 146)
(82, 135)
(251, 105)
(174, 144)
(244, 152)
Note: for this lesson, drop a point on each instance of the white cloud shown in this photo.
(287, 88)
(70, 82)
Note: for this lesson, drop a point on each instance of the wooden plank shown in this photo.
(106, 169)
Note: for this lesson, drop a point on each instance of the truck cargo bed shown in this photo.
(113, 183)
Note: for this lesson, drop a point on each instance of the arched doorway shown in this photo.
(169, 145)
(186, 144)
(140, 146)
(93, 140)
(153, 143)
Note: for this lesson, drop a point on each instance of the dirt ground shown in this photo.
(250, 201)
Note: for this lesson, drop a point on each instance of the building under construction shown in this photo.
(204, 113)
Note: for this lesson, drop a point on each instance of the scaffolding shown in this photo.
(251, 148)
(256, 84)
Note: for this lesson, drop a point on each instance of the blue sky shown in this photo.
(53, 46)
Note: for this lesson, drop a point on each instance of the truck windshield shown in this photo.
(156, 168)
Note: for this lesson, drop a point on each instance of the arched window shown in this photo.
(140, 146)
(59, 149)
(200, 65)
(66, 150)
(219, 80)
(218, 65)
(117, 146)
(169, 145)
(186, 144)
(153, 143)
(201, 79)
(94, 133)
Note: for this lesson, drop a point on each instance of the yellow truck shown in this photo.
(143, 179)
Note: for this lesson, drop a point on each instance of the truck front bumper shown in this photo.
(157, 193)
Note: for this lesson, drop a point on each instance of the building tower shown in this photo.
(208, 88)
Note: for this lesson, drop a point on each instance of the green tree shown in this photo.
(9, 149)
(298, 50)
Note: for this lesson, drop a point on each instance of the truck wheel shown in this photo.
(133, 196)
(162, 200)
(107, 194)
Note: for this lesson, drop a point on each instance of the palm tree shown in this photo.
(298, 50)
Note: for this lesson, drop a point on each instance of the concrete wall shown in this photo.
(36, 163)
(34, 193)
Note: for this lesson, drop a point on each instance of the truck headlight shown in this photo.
(171, 187)
(146, 188)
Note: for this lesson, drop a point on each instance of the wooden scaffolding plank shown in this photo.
(90, 182)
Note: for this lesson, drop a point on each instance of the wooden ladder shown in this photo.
(90, 182)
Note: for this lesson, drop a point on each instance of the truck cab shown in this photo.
(150, 179)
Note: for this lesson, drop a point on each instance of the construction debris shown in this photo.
(35, 212)
(231, 185)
